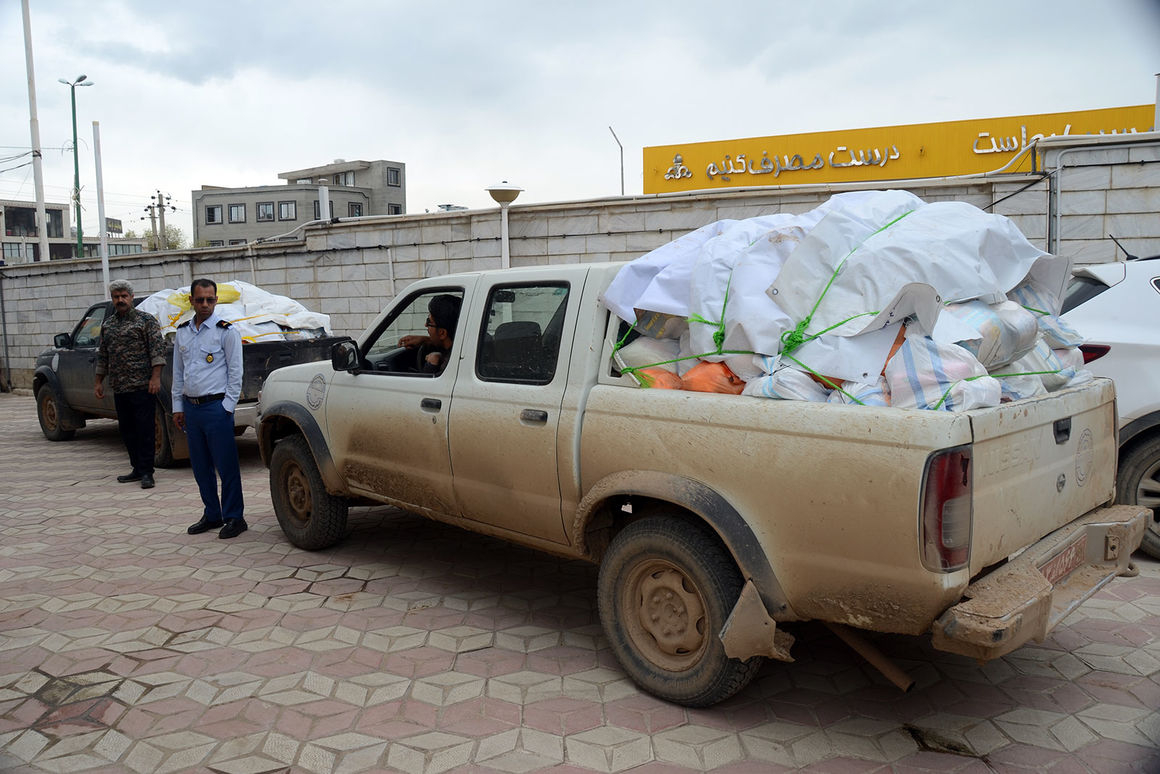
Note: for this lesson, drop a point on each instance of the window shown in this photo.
(11, 251)
(394, 176)
(382, 353)
(265, 211)
(344, 178)
(287, 210)
(317, 210)
(355, 209)
(237, 241)
(237, 213)
(88, 333)
(304, 181)
(394, 209)
(213, 214)
(55, 223)
(216, 243)
(521, 340)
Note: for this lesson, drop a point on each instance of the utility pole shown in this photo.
(34, 126)
(156, 212)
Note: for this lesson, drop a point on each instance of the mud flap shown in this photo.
(749, 631)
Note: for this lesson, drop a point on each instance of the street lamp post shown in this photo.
(72, 88)
(504, 194)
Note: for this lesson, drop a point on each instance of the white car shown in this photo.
(1116, 307)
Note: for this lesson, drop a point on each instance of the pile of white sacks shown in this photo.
(873, 298)
(256, 313)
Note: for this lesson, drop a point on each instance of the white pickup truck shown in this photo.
(714, 518)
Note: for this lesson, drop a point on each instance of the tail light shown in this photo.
(1093, 351)
(946, 510)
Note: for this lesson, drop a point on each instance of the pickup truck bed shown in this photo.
(64, 376)
(715, 519)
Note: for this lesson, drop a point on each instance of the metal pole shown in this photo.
(505, 253)
(101, 206)
(621, 160)
(77, 173)
(34, 125)
(4, 326)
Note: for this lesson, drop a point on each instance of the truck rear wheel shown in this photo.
(666, 587)
(1139, 484)
(48, 412)
(311, 517)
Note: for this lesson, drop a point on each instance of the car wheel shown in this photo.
(311, 517)
(162, 448)
(1139, 484)
(48, 412)
(666, 587)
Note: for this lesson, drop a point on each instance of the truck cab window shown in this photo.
(88, 333)
(403, 344)
(521, 337)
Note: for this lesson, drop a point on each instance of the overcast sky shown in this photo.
(470, 93)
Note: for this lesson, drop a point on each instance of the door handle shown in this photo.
(431, 404)
(533, 415)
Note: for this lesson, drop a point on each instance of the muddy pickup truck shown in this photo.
(64, 376)
(715, 519)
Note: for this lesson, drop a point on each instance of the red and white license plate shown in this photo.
(1065, 561)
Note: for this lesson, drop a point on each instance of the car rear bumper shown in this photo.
(1029, 595)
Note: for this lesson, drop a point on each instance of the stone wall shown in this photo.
(350, 270)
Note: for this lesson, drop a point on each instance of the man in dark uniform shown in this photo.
(132, 354)
(207, 383)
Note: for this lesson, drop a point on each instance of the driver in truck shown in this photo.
(435, 347)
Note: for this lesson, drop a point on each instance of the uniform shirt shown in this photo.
(206, 361)
(130, 347)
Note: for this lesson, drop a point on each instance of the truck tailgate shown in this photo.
(1039, 464)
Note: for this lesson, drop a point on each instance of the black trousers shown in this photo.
(135, 420)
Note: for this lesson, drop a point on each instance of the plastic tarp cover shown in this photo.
(257, 314)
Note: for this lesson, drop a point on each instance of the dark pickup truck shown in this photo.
(64, 377)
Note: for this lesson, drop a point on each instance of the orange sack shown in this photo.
(712, 377)
(658, 378)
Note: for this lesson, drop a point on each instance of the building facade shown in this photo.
(20, 235)
(238, 216)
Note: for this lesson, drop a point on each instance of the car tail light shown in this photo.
(1093, 351)
(946, 510)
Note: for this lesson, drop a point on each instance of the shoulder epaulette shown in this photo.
(187, 322)
(222, 324)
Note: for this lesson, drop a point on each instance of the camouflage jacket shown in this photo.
(130, 347)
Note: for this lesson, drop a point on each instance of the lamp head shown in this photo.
(504, 193)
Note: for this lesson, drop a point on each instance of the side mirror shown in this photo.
(62, 341)
(344, 356)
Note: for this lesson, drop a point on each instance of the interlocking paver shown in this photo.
(128, 645)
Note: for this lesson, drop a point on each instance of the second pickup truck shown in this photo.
(715, 519)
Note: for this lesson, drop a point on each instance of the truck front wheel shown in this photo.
(666, 587)
(311, 517)
(48, 412)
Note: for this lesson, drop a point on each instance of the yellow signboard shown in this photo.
(879, 153)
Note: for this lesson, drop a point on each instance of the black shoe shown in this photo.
(233, 528)
(134, 476)
(203, 526)
(147, 481)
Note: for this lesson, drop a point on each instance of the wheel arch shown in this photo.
(1140, 429)
(285, 419)
(621, 498)
(70, 418)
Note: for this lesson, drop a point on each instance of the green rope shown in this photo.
(793, 339)
(1037, 311)
(825, 379)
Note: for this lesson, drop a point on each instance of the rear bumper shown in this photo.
(1025, 598)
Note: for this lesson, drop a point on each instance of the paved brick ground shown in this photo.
(127, 645)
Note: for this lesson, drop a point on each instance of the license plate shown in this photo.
(1065, 561)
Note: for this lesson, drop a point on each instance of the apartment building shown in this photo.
(20, 234)
(236, 216)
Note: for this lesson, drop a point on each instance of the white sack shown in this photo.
(926, 375)
(645, 353)
(786, 384)
(1005, 331)
(861, 394)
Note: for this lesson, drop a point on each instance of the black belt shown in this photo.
(200, 399)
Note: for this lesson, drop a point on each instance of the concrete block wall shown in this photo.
(351, 270)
